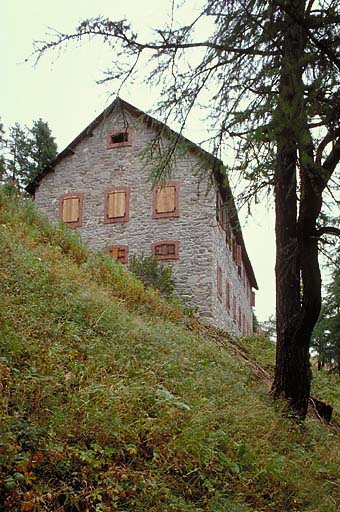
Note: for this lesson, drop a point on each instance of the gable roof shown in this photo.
(216, 165)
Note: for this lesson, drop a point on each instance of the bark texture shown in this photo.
(297, 271)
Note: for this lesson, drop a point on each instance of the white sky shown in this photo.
(63, 91)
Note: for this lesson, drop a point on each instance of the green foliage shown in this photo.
(326, 335)
(153, 274)
(25, 152)
(43, 149)
(110, 399)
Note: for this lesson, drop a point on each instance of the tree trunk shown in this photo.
(292, 372)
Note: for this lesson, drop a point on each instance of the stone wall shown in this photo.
(93, 168)
(238, 289)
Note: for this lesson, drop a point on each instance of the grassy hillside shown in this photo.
(111, 399)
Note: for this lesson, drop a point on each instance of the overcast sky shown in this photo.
(62, 90)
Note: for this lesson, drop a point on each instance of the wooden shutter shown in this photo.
(219, 282)
(252, 299)
(166, 199)
(239, 255)
(71, 209)
(116, 204)
(116, 207)
(119, 253)
(165, 202)
(165, 250)
(234, 308)
(227, 295)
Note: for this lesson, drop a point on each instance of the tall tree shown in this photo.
(25, 152)
(43, 149)
(268, 74)
(17, 154)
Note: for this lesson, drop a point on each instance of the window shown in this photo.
(165, 250)
(252, 303)
(166, 200)
(227, 295)
(239, 256)
(221, 211)
(228, 236)
(118, 138)
(219, 282)
(234, 249)
(71, 209)
(119, 253)
(234, 309)
(116, 207)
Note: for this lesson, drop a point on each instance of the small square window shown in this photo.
(118, 138)
(116, 205)
(71, 209)
(166, 200)
(166, 250)
(119, 253)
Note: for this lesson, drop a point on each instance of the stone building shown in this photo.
(101, 186)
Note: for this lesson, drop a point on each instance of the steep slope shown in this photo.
(114, 400)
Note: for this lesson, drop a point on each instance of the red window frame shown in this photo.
(124, 259)
(166, 215)
(110, 144)
(174, 256)
(78, 195)
(234, 308)
(219, 282)
(227, 295)
(125, 218)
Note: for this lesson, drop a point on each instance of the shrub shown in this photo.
(152, 274)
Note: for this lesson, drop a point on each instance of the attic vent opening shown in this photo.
(118, 138)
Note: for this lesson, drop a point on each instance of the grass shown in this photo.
(112, 399)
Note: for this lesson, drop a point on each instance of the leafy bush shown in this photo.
(152, 274)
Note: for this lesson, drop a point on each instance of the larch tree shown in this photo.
(267, 75)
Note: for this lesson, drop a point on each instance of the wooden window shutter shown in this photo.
(166, 200)
(238, 255)
(234, 246)
(116, 204)
(119, 253)
(252, 299)
(166, 250)
(227, 295)
(71, 209)
(219, 206)
(116, 208)
(219, 282)
(234, 308)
